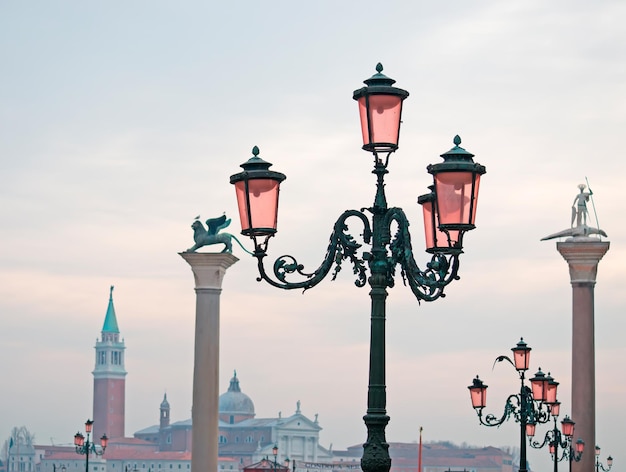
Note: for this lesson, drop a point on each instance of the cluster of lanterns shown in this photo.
(449, 209)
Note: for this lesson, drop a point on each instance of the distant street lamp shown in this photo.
(85, 447)
(556, 439)
(449, 210)
(599, 465)
(275, 452)
(576, 452)
(526, 407)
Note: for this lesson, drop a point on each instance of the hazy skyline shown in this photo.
(122, 121)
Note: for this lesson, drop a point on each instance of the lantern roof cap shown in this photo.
(379, 83)
(255, 162)
(457, 159)
(256, 168)
(379, 78)
(477, 383)
(457, 152)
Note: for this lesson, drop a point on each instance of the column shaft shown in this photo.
(208, 270)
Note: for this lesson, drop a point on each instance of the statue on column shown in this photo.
(211, 235)
(579, 215)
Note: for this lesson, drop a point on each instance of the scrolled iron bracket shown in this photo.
(341, 247)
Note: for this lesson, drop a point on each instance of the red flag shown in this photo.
(419, 455)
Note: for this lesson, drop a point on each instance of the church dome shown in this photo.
(234, 401)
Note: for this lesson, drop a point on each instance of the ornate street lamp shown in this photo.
(450, 209)
(85, 447)
(275, 452)
(526, 407)
(556, 439)
(599, 465)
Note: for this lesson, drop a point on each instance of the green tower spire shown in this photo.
(110, 320)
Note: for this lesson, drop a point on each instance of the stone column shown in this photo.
(208, 272)
(583, 255)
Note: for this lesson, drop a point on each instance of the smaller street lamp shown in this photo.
(275, 452)
(556, 438)
(576, 452)
(85, 446)
(526, 407)
(599, 465)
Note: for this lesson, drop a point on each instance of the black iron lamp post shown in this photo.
(556, 438)
(599, 465)
(576, 452)
(527, 406)
(85, 446)
(275, 452)
(449, 211)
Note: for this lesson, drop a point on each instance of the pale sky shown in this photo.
(122, 121)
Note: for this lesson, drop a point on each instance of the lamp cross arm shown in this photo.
(510, 409)
(342, 246)
(552, 437)
(428, 284)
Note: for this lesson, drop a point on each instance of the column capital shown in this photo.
(583, 256)
(208, 268)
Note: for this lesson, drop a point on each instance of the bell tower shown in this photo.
(109, 379)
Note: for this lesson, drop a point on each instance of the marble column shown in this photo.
(583, 255)
(208, 272)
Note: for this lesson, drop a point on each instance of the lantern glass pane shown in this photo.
(555, 409)
(454, 197)
(435, 238)
(429, 224)
(530, 429)
(568, 428)
(478, 396)
(262, 198)
(521, 358)
(382, 124)
(551, 392)
(580, 446)
(539, 391)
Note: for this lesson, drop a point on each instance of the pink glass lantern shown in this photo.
(530, 429)
(567, 427)
(457, 181)
(478, 393)
(521, 355)
(380, 110)
(551, 390)
(257, 190)
(437, 241)
(539, 384)
(580, 446)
